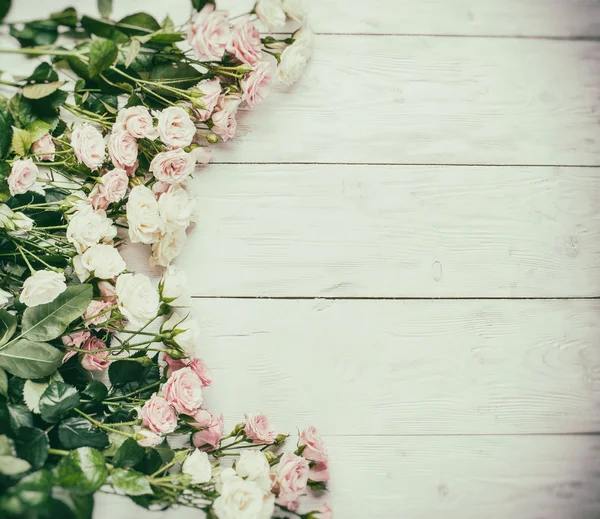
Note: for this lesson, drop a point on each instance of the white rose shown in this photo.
(175, 127)
(243, 499)
(103, 260)
(295, 57)
(175, 209)
(80, 271)
(221, 475)
(88, 145)
(137, 121)
(174, 287)
(5, 298)
(145, 222)
(123, 151)
(296, 9)
(44, 286)
(138, 299)
(167, 248)
(187, 331)
(23, 224)
(253, 465)
(198, 467)
(88, 227)
(270, 12)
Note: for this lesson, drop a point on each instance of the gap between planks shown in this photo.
(408, 164)
(400, 298)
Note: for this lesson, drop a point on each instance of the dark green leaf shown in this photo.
(105, 8)
(34, 489)
(121, 372)
(66, 17)
(97, 102)
(151, 462)
(82, 471)
(78, 432)
(58, 399)
(28, 359)
(73, 506)
(130, 482)
(43, 73)
(15, 390)
(96, 391)
(3, 382)
(131, 23)
(4, 8)
(199, 4)
(103, 54)
(19, 416)
(186, 75)
(55, 100)
(129, 454)
(21, 110)
(42, 32)
(4, 189)
(50, 320)
(60, 129)
(32, 445)
(6, 122)
(8, 325)
(104, 29)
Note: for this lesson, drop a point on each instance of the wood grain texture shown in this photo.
(537, 18)
(392, 231)
(405, 367)
(456, 477)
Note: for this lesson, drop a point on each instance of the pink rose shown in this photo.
(75, 340)
(211, 90)
(292, 478)
(244, 42)
(23, 175)
(160, 188)
(44, 147)
(203, 371)
(212, 430)
(255, 85)
(88, 145)
(123, 151)
(97, 361)
(174, 365)
(208, 33)
(173, 166)
(98, 312)
(202, 155)
(183, 391)
(158, 416)
(175, 127)
(111, 188)
(137, 121)
(314, 447)
(107, 291)
(320, 472)
(259, 429)
(324, 512)
(223, 118)
(148, 438)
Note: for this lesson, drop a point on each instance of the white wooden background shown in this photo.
(404, 250)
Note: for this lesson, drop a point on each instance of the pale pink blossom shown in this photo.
(255, 85)
(22, 177)
(44, 147)
(112, 187)
(123, 151)
(211, 90)
(259, 429)
(173, 166)
(96, 361)
(183, 391)
(319, 472)
(158, 416)
(137, 121)
(148, 438)
(88, 146)
(223, 118)
(175, 127)
(211, 430)
(314, 447)
(75, 340)
(203, 371)
(292, 478)
(107, 291)
(202, 155)
(208, 33)
(325, 512)
(97, 312)
(244, 42)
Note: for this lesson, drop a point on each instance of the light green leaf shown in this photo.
(38, 129)
(21, 141)
(58, 399)
(105, 8)
(40, 90)
(11, 466)
(102, 55)
(49, 321)
(8, 325)
(19, 416)
(130, 482)
(3, 382)
(28, 359)
(4, 445)
(32, 392)
(82, 471)
(132, 51)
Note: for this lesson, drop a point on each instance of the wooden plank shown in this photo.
(460, 477)
(538, 18)
(393, 231)
(405, 367)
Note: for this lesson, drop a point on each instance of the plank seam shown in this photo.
(456, 435)
(577, 38)
(411, 164)
(388, 298)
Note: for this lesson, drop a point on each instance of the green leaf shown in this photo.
(104, 29)
(11, 466)
(103, 54)
(19, 416)
(6, 122)
(130, 482)
(129, 454)
(32, 392)
(40, 90)
(105, 8)
(34, 489)
(21, 141)
(28, 359)
(199, 4)
(8, 325)
(95, 390)
(43, 73)
(32, 445)
(3, 382)
(49, 321)
(186, 75)
(58, 399)
(4, 8)
(38, 129)
(72, 506)
(132, 51)
(121, 372)
(82, 471)
(138, 21)
(66, 17)
(5, 448)
(21, 111)
(78, 432)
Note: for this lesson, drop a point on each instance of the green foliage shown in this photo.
(3, 382)
(105, 8)
(199, 4)
(6, 122)
(102, 55)
(21, 141)
(78, 432)
(11, 466)
(32, 445)
(95, 390)
(82, 471)
(130, 482)
(58, 399)
(40, 90)
(8, 325)
(4, 8)
(29, 359)
(19, 416)
(129, 454)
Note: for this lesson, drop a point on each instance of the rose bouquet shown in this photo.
(100, 385)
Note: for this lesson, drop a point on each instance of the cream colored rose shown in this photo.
(253, 465)
(145, 221)
(296, 9)
(23, 175)
(175, 127)
(5, 298)
(88, 227)
(167, 248)
(123, 150)
(173, 166)
(295, 57)
(138, 300)
(137, 121)
(186, 331)
(174, 287)
(176, 209)
(88, 145)
(103, 260)
(44, 286)
(271, 13)
(243, 499)
(198, 467)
